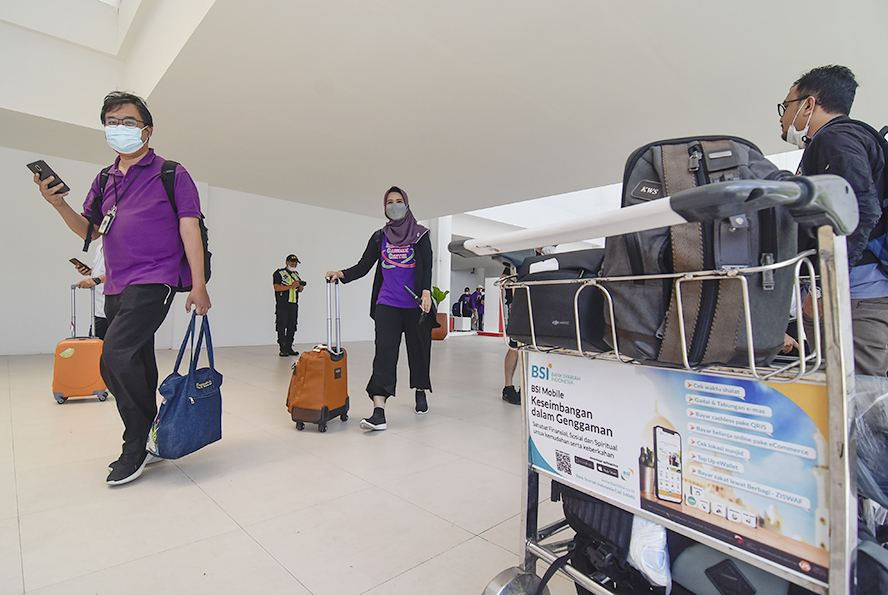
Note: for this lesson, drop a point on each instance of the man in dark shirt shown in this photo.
(820, 102)
(465, 303)
(477, 306)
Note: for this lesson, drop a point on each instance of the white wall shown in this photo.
(250, 236)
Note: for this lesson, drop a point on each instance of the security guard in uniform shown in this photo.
(287, 286)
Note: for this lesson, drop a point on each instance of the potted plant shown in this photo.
(440, 332)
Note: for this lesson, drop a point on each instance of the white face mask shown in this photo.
(396, 211)
(124, 140)
(291, 269)
(795, 137)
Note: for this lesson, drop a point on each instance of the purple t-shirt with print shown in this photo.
(143, 244)
(398, 270)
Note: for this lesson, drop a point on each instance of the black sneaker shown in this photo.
(149, 460)
(422, 405)
(292, 352)
(284, 354)
(127, 468)
(375, 421)
(511, 395)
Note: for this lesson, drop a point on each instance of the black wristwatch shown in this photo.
(97, 280)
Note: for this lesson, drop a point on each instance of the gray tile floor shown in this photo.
(429, 506)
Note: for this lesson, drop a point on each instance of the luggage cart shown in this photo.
(828, 204)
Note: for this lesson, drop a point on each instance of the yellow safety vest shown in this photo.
(287, 278)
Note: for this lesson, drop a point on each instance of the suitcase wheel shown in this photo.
(300, 425)
(102, 394)
(344, 417)
(322, 427)
(60, 397)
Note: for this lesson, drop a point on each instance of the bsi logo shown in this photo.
(557, 322)
(540, 372)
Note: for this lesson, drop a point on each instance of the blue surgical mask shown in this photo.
(124, 140)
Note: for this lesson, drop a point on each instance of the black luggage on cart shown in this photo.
(554, 322)
(646, 311)
(601, 544)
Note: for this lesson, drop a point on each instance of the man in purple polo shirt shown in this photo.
(150, 250)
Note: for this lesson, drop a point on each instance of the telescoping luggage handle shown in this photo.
(92, 304)
(331, 305)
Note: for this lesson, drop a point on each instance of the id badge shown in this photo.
(108, 220)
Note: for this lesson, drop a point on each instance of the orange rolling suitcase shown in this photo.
(319, 386)
(75, 372)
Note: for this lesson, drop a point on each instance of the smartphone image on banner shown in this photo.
(667, 464)
(44, 171)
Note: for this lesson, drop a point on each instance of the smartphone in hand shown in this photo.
(40, 168)
(81, 268)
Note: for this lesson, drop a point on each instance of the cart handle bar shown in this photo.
(813, 201)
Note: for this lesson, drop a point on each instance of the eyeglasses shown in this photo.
(781, 107)
(128, 122)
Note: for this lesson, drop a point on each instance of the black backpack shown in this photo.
(168, 177)
(877, 247)
(600, 548)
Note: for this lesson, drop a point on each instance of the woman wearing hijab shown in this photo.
(402, 253)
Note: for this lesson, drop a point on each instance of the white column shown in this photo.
(441, 233)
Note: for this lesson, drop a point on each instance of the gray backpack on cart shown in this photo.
(646, 311)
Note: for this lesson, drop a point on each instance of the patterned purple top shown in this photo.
(398, 270)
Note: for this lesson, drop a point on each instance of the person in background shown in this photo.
(511, 395)
(465, 303)
(402, 254)
(96, 276)
(510, 364)
(287, 287)
(478, 309)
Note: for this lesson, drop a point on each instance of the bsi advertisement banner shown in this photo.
(738, 460)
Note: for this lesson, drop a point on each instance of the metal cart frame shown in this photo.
(541, 543)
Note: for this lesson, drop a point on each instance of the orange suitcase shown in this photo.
(76, 369)
(319, 386)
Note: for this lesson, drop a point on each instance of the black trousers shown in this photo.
(101, 327)
(285, 315)
(391, 323)
(128, 365)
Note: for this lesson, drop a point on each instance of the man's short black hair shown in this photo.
(834, 87)
(115, 99)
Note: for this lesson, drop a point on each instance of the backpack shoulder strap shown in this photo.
(168, 177)
(96, 206)
(103, 180)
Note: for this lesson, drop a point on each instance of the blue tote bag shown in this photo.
(190, 416)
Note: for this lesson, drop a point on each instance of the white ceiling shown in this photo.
(466, 103)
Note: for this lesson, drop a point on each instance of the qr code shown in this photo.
(563, 462)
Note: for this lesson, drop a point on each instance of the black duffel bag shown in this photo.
(554, 322)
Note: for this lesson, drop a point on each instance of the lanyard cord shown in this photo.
(133, 179)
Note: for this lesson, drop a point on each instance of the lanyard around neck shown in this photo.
(132, 179)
